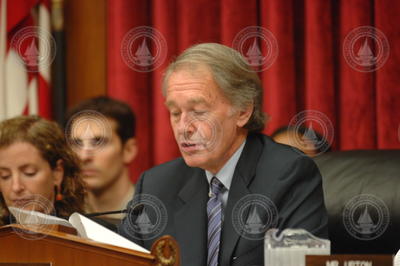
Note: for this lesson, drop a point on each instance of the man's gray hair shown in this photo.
(238, 82)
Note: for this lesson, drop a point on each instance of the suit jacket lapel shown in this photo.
(242, 177)
(191, 219)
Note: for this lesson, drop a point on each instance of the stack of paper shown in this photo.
(86, 228)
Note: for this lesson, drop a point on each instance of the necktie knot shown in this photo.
(216, 186)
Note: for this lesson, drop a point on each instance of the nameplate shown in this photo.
(349, 260)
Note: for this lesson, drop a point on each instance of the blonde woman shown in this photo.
(38, 170)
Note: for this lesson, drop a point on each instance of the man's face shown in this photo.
(204, 122)
(100, 150)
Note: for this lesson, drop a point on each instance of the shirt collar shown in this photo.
(225, 175)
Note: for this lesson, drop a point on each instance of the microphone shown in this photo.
(94, 214)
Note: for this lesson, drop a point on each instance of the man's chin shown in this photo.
(196, 159)
(92, 184)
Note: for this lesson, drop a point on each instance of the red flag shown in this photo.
(26, 52)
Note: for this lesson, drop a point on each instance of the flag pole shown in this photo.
(58, 72)
(3, 41)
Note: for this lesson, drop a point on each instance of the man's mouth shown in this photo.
(89, 172)
(190, 147)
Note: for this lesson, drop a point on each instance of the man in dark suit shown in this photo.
(232, 183)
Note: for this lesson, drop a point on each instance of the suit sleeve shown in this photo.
(124, 228)
(303, 205)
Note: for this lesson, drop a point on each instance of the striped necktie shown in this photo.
(214, 213)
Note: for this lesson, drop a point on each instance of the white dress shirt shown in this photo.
(225, 175)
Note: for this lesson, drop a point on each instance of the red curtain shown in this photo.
(310, 72)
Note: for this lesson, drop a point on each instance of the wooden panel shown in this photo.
(64, 253)
(37, 244)
(64, 250)
(24, 264)
(85, 31)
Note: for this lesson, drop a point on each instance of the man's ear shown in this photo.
(129, 151)
(244, 115)
(58, 173)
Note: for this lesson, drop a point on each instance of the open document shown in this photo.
(86, 228)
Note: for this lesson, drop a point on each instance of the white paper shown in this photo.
(94, 231)
(33, 217)
(86, 228)
(396, 260)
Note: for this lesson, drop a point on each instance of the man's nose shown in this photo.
(186, 125)
(85, 152)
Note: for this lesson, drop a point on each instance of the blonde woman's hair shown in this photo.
(49, 139)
